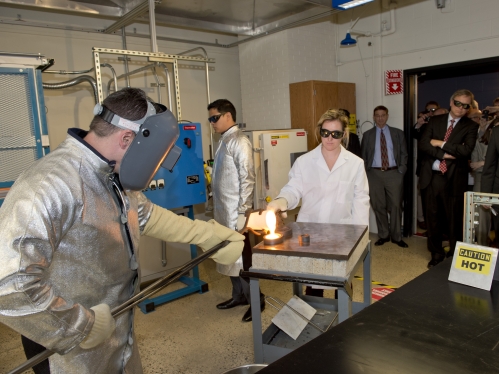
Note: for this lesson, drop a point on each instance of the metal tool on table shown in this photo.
(133, 301)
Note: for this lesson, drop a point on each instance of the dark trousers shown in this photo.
(386, 192)
(240, 289)
(31, 349)
(442, 210)
(240, 285)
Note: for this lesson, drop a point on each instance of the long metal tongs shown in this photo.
(130, 303)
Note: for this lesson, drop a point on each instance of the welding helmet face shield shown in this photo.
(152, 147)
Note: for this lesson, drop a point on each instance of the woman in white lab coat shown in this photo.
(330, 181)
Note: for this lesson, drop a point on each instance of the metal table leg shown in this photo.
(256, 316)
(367, 285)
(344, 305)
(297, 289)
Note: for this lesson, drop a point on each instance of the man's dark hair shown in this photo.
(224, 106)
(380, 107)
(432, 103)
(129, 103)
(347, 113)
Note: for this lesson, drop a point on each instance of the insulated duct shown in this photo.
(74, 82)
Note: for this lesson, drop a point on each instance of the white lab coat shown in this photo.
(340, 195)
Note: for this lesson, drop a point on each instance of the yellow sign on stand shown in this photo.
(473, 265)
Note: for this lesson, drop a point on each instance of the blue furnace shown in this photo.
(183, 187)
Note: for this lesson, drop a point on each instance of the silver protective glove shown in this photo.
(170, 227)
(102, 329)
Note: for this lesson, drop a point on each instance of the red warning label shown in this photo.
(381, 292)
(300, 133)
(189, 127)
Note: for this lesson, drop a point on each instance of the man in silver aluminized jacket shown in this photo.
(70, 231)
(233, 181)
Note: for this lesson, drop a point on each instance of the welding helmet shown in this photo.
(153, 145)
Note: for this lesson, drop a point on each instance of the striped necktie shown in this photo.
(443, 164)
(384, 152)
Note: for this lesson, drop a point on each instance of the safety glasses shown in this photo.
(335, 134)
(215, 118)
(461, 105)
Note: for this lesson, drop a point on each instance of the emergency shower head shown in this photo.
(348, 40)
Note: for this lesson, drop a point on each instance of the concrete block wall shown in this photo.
(312, 52)
(268, 65)
(264, 75)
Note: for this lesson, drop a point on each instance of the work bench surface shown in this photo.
(430, 325)
(327, 241)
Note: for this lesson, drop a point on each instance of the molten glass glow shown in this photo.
(271, 221)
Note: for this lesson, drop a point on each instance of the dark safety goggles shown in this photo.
(215, 118)
(461, 105)
(335, 133)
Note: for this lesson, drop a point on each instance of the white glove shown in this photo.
(104, 325)
(279, 204)
(241, 220)
(232, 251)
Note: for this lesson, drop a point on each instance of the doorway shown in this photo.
(438, 83)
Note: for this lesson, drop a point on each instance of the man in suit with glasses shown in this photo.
(446, 145)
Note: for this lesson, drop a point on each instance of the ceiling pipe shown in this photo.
(125, 57)
(152, 26)
(392, 28)
(128, 18)
(189, 41)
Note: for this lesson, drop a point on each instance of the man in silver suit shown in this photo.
(233, 181)
(70, 231)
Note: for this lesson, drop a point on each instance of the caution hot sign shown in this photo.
(477, 261)
(473, 265)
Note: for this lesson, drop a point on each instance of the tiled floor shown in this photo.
(190, 335)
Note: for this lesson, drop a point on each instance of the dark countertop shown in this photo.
(327, 241)
(430, 325)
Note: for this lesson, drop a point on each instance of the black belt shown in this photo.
(393, 168)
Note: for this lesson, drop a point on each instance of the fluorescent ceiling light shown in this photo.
(345, 4)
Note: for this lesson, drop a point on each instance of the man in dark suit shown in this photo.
(384, 152)
(446, 146)
(432, 109)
